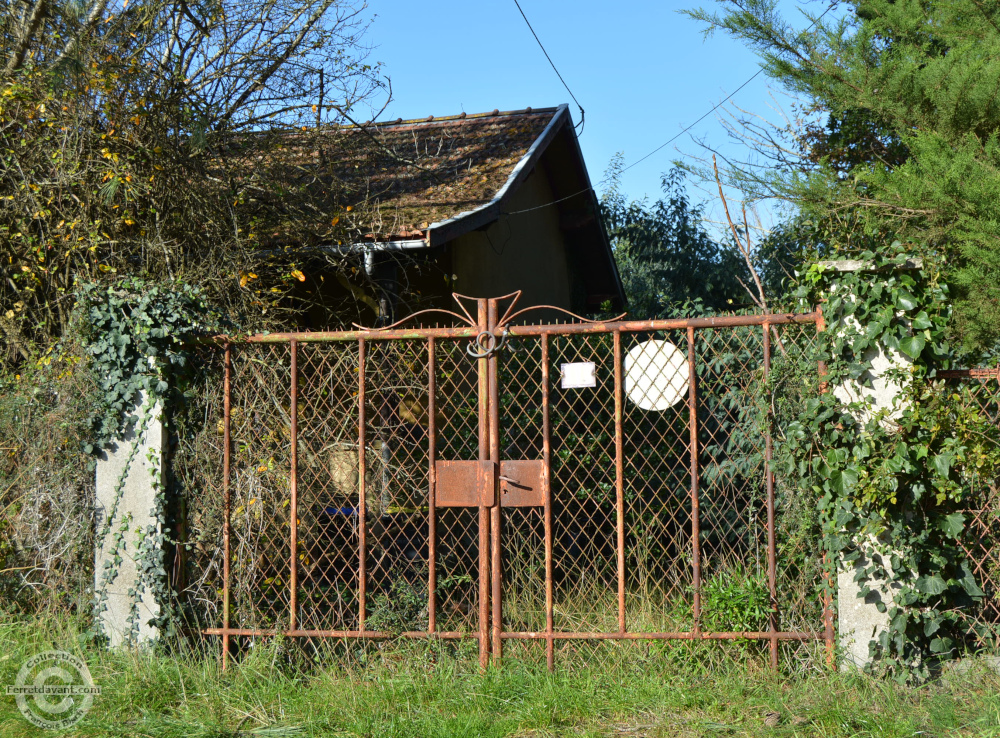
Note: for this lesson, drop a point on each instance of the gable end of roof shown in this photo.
(470, 220)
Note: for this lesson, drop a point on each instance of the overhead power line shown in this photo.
(669, 141)
(551, 63)
(722, 102)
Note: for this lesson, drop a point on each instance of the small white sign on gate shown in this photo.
(578, 374)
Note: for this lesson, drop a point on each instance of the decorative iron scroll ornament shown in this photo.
(486, 341)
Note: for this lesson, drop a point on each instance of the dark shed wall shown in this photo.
(524, 252)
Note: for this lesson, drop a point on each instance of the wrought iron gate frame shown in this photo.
(488, 331)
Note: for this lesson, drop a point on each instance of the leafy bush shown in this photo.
(46, 483)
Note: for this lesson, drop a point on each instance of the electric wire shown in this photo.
(672, 138)
(552, 64)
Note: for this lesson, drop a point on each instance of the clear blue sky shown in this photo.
(641, 70)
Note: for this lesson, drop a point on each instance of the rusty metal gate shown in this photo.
(509, 483)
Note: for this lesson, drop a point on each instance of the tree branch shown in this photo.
(759, 299)
(21, 49)
(95, 15)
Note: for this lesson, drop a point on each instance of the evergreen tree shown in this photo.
(910, 149)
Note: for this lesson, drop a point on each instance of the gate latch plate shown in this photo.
(474, 483)
(522, 483)
(465, 483)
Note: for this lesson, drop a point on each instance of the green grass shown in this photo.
(419, 690)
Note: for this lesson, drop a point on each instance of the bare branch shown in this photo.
(290, 49)
(92, 18)
(758, 299)
(31, 28)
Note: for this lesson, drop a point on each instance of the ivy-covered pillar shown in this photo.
(875, 390)
(140, 336)
(891, 453)
(129, 580)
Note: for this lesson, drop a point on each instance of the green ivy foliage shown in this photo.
(136, 333)
(892, 484)
(138, 336)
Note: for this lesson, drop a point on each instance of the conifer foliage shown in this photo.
(902, 110)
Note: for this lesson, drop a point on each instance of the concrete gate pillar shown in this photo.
(130, 475)
(876, 391)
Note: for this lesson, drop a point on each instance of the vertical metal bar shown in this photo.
(831, 643)
(362, 491)
(431, 487)
(695, 511)
(496, 514)
(484, 512)
(772, 552)
(821, 366)
(226, 500)
(547, 482)
(619, 481)
(293, 505)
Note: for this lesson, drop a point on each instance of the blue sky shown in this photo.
(641, 70)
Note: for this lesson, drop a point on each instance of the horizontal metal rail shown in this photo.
(525, 635)
(625, 326)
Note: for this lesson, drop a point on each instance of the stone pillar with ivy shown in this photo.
(139, 337)
(890, 453)
(879, 393)
(129, 576)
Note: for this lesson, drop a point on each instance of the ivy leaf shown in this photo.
(905, 300)
(952, 525)
(843, 481)
(942, 645)
(912, 346)
(969, 582)
(942, 464)
(932, 585)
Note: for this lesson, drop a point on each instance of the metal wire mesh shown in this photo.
(656, 515)
(981, 390)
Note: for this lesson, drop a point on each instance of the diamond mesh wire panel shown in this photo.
(659, 501)
(196, 475)
(981, 390)
(328, 486)
(657, 491)
(457, 425)
(259, 486)
(583, 489)
(523, 532)
(397, 485)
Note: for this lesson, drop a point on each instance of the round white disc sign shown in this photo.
(656, 375)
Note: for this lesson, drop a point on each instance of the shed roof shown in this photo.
(424, 182)
(399, 179)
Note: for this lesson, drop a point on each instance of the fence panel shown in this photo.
(655, 515)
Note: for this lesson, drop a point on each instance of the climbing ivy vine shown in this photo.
(138, 335)
(892, 482)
